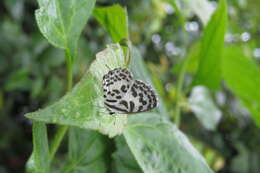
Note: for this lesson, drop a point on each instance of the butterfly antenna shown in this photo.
(108, 67)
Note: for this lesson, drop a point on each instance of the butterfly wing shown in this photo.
(116, 83)
(139, 98)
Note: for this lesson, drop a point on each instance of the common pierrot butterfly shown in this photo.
(123, 94)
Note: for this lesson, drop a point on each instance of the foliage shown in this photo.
(201, 56)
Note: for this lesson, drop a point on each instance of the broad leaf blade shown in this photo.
(242, 76)
(62, 21)
(209, 70)
(84, 105)
(159, 146)
(39, 160)
(114, 20)
(201, 103)
(86, 150)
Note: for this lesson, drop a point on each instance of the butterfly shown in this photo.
(123, 94)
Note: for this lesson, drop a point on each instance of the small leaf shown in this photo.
(62, 21)
(204, 108)
(159, 146)
(209, 70)
(242, 76)
(84, 105)
(86, 150)
(39, 160)
(114, 20)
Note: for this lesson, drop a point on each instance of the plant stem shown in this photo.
(61, 131)
(177, 119)
(69, 70)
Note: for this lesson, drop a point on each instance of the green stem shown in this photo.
(61, 131)
(179, 92)
(69, 70)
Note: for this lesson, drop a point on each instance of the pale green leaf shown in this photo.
(84, 105)
(209, 70)
(159, 146)
(114, 20)
(201, 103)
(62, 21)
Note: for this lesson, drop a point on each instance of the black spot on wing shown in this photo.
(140, 108)
(132, 106)
(116, 91)
(115, 108)
(118, 97)
(123, 102)
(111, 101)
(134, 93)
(123, 89)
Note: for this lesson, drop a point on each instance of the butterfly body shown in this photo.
(122, 94)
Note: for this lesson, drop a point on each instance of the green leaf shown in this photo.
(124, 159)
(62, 21)
(201, 103)
(159, 146)
(84, 105)
(39, 160)
(114, 20)
(241, 75)
(86, 150)
(209, 70)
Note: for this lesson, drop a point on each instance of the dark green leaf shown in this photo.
(39, 160)
(159, 146)
(209, 70)
(84, 105)
(242, 75)
(124, 159)
(85, 152)
(114, 20)
(62, 21)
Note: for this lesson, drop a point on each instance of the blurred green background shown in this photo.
(33, 73)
